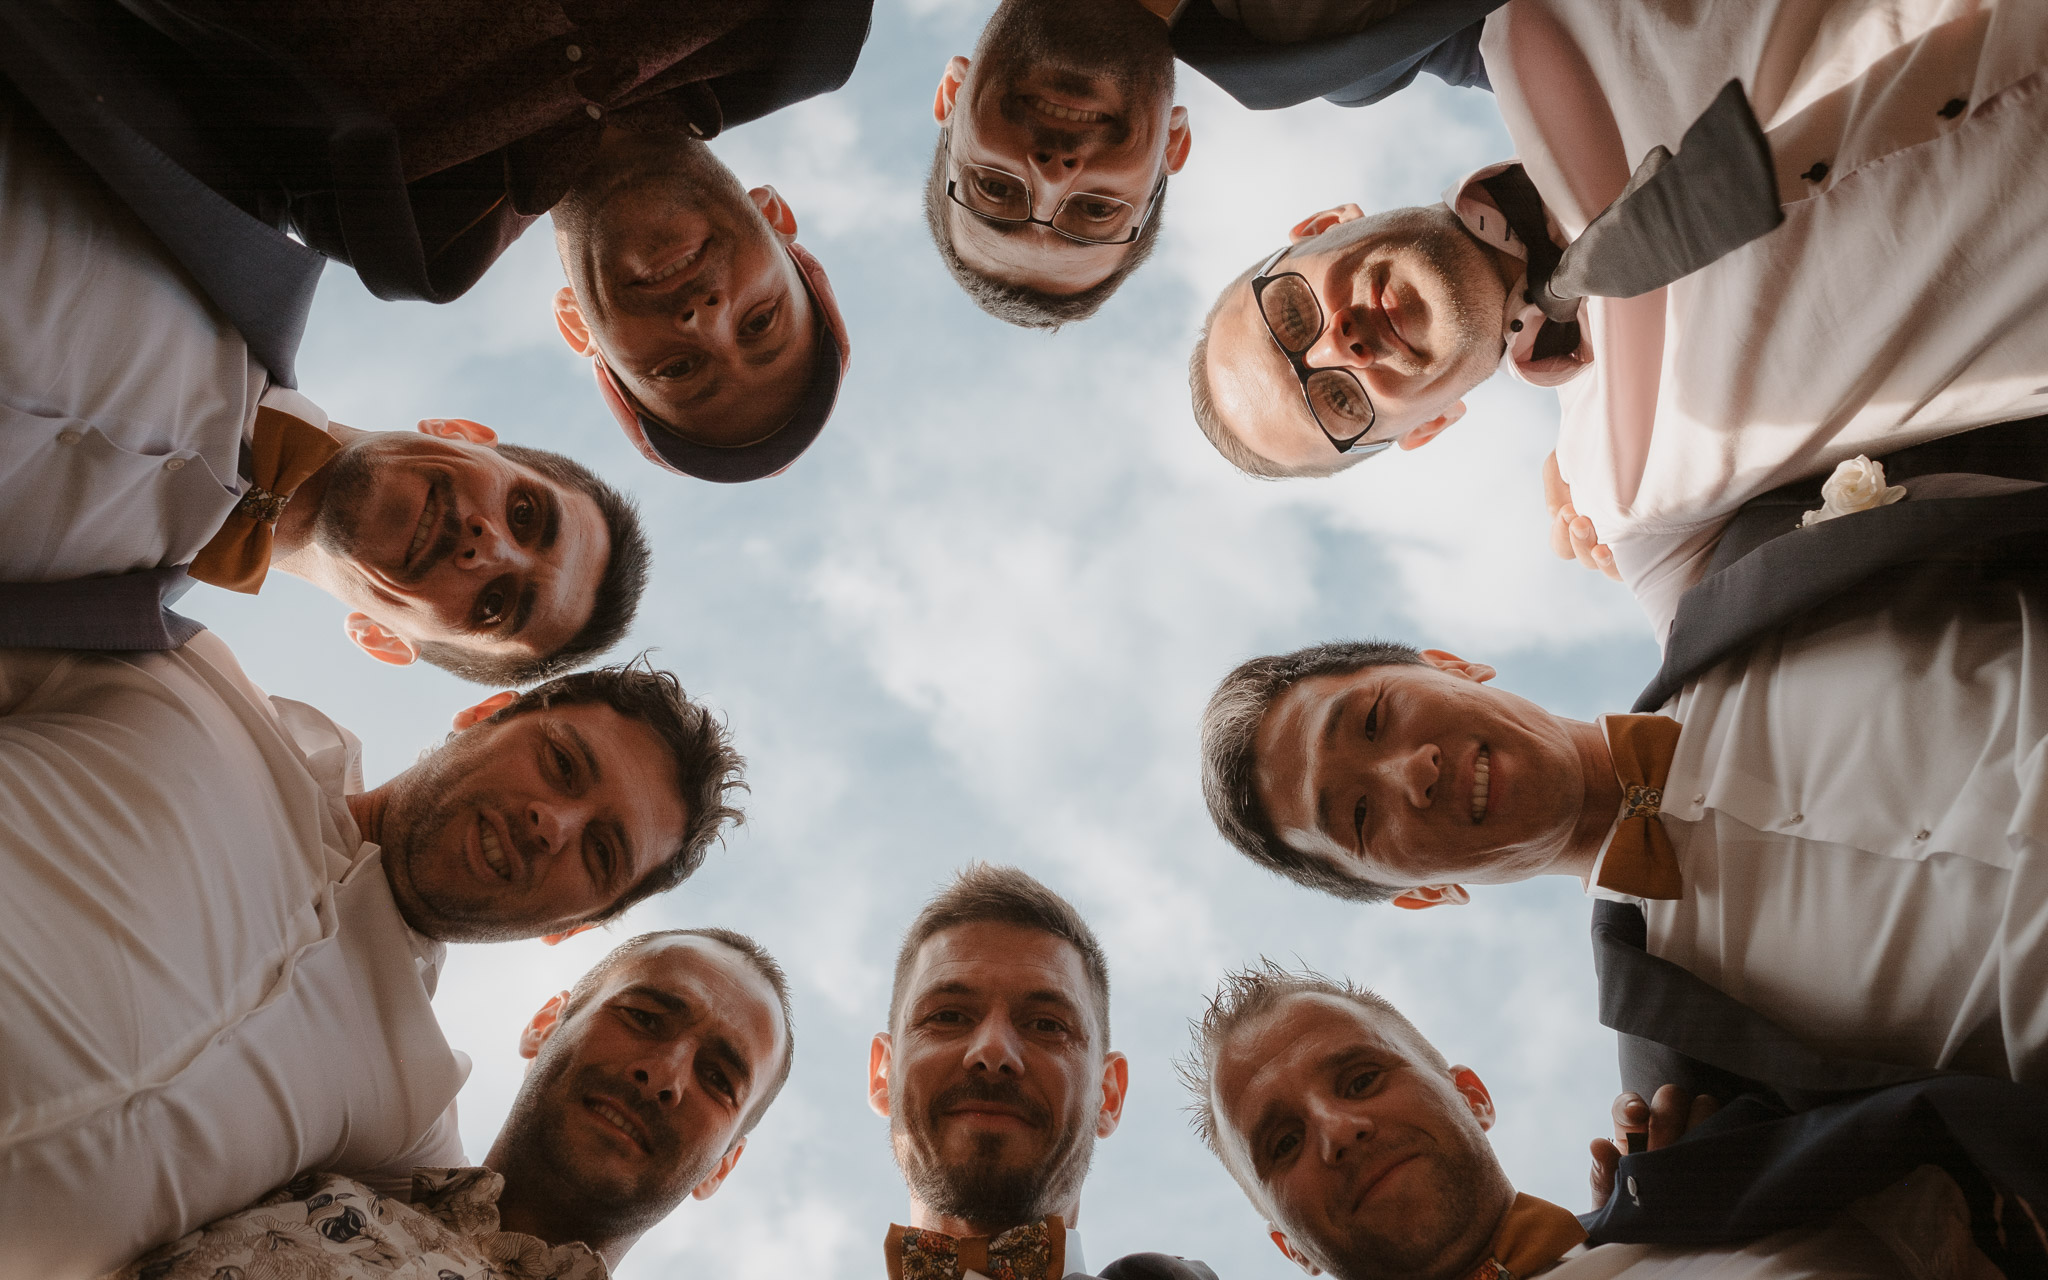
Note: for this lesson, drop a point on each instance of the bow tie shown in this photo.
(1531, 1238)
(1034, 1251)
(1640, 861)
(283, 453)
(1677, 214)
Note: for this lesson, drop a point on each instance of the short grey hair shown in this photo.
(1250, 993)
(1235, 451)
(1230, 731)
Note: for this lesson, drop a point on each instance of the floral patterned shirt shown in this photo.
(323, 1226)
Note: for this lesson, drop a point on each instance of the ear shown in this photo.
(1473, 1090)
(1416, 437)
(880, 1055)
(381, 643)
(543, 1025)
(1317, 223)
(950, 81)
(712, 1182)
(1178, 139)
(556, 939)
(470, 717)
(569, 321)
(1433, 895)
(776, 211)
(1453, 665)
(459, 429)
(1116, 1084)
(1294, 1255)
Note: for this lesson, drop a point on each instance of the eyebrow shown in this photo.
(582, 745)
(1332, 728)
(668, 1001)
(522, 613)
(551, 517)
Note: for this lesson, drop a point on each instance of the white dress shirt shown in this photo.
(125, 397)
(1899, 302)
(1918, 1229)
(1859, 805)
(205, 984)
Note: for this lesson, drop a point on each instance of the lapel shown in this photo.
(128, 611)
(1352, 70)
(258, 277)
(1766, 570)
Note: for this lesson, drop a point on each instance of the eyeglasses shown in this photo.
(1295, 320)
(1080, 215)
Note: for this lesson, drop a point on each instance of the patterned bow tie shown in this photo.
(1034, 1251)
(1640, 861)
(1531, 1238)
(284, 452)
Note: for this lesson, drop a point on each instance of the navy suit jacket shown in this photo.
(1437, 36)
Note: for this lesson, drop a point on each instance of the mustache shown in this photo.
(1001, 1092)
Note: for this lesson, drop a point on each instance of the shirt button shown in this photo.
(70, 437)
(1819, 171)
(1514, 326)
(175, 464)
(1632, 1192)
(1795, 819)
(1701, 798)
(573, 53)
(1952, 108)
(592, 110)
(1922, 834)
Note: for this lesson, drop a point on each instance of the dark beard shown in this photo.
(426, 799)
(982, 1191)
(352, 480)
(1368, 1255)
(1069, 43)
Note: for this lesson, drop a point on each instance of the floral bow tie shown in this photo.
(284, 452)
(1034, 1251)
(1640, 861)
(1531, 1238)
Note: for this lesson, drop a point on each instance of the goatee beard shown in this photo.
(983, 1190)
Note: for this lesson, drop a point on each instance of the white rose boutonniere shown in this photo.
(1857, 485)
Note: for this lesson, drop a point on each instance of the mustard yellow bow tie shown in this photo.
(1640, 861)
(1531, 1238)
(1034, 1251)
(284, 452)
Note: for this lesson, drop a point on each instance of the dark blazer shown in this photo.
(1155, 1266)
(1802, 1134)
(1437, 36)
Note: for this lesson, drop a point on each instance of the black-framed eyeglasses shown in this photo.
(1001, 196)
(1295, 320)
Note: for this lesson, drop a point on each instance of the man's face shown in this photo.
(1412, 775)
(639, 1094)
(1074, 98)
(530, 825)
(1411, 305)
(1370, 1161)
(439, 538)
(994, 1081)
(681, 280)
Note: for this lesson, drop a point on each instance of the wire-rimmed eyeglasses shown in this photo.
(1084, 216)
(1294, 319)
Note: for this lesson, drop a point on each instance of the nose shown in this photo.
(703, 314)
(1056, 168)
(555, 823)
(1342, 344)
(995, 1047)
(484, 546)
(664, 1074)
(1338, 1134)
(1412, 774)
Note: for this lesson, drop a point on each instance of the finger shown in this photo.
(1561, 535)
(1600, 1178)
(1603, 560)
(1631, 1115)
(1668, 1111)
(1556, 492)
(1584, 540)
(1702, 1108)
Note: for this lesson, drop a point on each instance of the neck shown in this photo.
(368, 808)
(924, 1217)
(292, 537)
(1600, 802)
(526, 1210)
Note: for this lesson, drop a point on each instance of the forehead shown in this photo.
(1031, 256)
(726, 985)
(1001, 961)
(1254, 388)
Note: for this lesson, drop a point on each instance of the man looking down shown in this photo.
(143, 444)
(1365, 1150)
(644, 1082)
(219, 949)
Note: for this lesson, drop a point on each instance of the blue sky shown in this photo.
(979, 619)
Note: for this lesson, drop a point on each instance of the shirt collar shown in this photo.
(1522, 321)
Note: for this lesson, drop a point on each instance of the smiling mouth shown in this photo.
(423, 533)
(618, 1119)
(1376, 1180)
(1482, 779)
(493, 851)
(675, 267)
(1066, 115)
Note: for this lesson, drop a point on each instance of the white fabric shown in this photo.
(1916, 1230)
(205, 985)
(124, 396)
(1076, 1264)
(1294, 21)
(1859, 805)
(1899, 302)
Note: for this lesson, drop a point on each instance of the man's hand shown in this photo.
(1666, 1119)
(1572, 536)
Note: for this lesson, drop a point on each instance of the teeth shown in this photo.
(493, 854)
(1059, 112)
(616, 1116)
(419, 535)
(1482, 774)
(674, 267)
